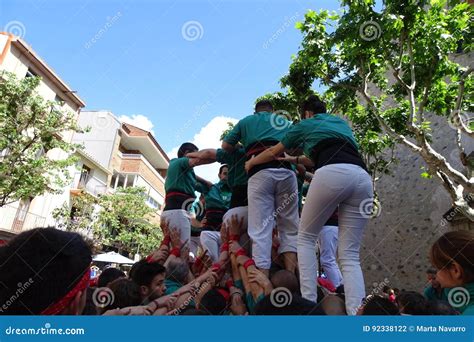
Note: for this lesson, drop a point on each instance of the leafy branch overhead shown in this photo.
(389, 71)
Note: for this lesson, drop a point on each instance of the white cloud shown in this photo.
(138, 120)
(208, 137)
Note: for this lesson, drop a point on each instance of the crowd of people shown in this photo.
(253, 245)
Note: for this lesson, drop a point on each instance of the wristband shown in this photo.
(240, 252)
(216, 267)
(176, 252)
(198, 262)
(249, 263)
(229, 283)
(234, 237)
(166, 241)
(149, 259)
(225, 247)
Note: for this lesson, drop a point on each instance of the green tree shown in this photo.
(389, 71)
(29, 128)
(120, 220)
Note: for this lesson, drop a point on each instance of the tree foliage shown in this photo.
(29, 128)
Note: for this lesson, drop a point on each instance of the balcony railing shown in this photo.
(84, 181)
(17, 220)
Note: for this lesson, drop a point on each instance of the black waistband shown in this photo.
(239, 196)
(258, 147)
(175, 200)
(336, 151)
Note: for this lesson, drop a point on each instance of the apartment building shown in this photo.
(18, 57)
(131, 155)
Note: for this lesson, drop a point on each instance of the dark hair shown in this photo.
(314, 104)
(263, 106)
(143, 272)
(109, 275)
(213, 302)
(45, 263)
(411, 303)
(457, 246)
(90, 309)
(440, 307)
(223, 166)
(285, 279)
(297, 306)
(186, 148)
(379, 306)
(126, 293)
(431, 271)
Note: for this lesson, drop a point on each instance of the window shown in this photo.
(30, 73)
(121, 181)
(130, 180)
(153, 203)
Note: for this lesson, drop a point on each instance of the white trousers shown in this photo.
(180, 219)
(328, 249)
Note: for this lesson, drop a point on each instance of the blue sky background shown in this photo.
(141, 64)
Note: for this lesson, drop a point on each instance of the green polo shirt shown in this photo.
(309, 132)
(260, 126)
(236, 162)
(217, 196)
(180, 176)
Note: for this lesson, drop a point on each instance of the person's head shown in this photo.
(431, 277)
(109, 275)
(186, 148)
(214, 301)
(312, 106)
(150, 276)
(440, 308)
(177, 270)
(126, 293)
(452, 255)
(285, 279)
(379, 306)
(263, 106)
(48, 270)
(272, 305)
(223, 172)
(411, 303)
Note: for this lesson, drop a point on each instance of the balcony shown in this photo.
(86, 182)
(17, 220)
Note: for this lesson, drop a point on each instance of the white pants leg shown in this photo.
(180, 219)
(272, 197)
(211, 242)
(348, 186)
(241, 212)
(328, 249)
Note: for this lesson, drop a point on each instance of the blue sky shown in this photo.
(143, 61)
